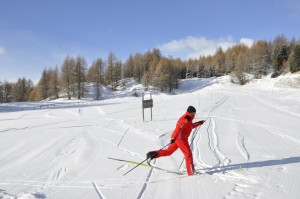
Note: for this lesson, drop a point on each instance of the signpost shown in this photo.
(147, 104)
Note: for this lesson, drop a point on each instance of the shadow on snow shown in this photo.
(249, 165)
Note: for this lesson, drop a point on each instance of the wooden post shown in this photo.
(152, 104)
(143, 107)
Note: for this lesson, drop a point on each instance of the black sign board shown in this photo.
(147, 104)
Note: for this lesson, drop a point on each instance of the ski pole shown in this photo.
(144, 160)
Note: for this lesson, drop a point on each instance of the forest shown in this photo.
(151, 68)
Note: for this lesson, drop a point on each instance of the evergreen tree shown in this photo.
(294, 59)
(156, 53)
(177, 65)
(211, 71)
(292, 44)
(7, 92)
(1, 92)
(191, 70)
(259, 59)
(201, 71)
(280, 55)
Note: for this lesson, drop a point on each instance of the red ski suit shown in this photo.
(181, 133)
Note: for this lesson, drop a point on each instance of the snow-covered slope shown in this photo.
(250, 144)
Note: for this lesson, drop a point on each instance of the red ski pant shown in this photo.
(186, 150)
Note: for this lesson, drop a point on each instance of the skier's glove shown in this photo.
(201, 122)
(172, 140)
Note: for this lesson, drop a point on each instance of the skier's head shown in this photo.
(191, 109)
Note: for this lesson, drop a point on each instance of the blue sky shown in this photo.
(38, 34)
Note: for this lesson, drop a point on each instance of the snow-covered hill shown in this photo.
(250, 144)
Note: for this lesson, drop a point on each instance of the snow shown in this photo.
(250, 143)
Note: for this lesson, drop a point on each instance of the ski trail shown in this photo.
(212, 139)
(196, 151)
(263, 101)
(122, 137)
(216, 105)
(145, 185)
(275, 106)
(272, 129)
(274, 133)
(123, 149)
(194, 148)
(13, 129)
(240, 142)
(214, 144)
(98, 190)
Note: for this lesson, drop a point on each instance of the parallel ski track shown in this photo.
(212, 134)
(195, 149)
(214, 144)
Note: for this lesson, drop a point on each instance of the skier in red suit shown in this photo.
(179, 139)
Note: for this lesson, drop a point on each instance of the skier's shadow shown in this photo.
(249, 165)
(36, 195)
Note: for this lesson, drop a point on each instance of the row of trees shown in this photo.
(153, 69)
(262, 58)
(16, 92)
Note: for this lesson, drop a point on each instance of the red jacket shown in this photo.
(184, 127)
